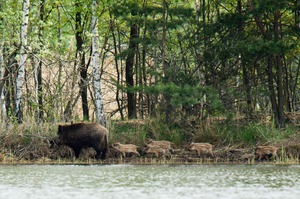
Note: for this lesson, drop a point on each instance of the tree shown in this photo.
(38, 71)
(80, 24)
(2, 101)
(21, 65)
(132, 48)
(169, 59)
(80, 54)
(81, 20)
(100, 117)
(274, 57)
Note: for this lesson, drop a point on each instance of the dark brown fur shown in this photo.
(83, 135)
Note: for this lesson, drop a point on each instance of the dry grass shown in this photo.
(28, 144)
(26, 141)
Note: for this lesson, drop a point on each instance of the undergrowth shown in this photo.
(252, 134)
(30, 141)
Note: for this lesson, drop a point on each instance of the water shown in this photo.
(127, 181)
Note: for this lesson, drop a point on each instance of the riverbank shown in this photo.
(233, 143)
(225, 155)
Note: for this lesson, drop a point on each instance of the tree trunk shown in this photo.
(279, 68)
(1, 66)
(21, 67)
(131, 101)
(166, 66)
(2, 97)
(120, 108)
(100, 117)
(274, 60)
(144, 57)
(272, 92)
(81, 56)
(297, 13)
(40, 113)
(245, 70)
(10, 79)
(58, 102)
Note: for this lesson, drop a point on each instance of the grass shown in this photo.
(28, 142)
(132, 132)
(25, 141)
(252, 134)
(139, 131)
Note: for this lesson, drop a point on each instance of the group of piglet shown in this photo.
(160, 148)
(163, 148)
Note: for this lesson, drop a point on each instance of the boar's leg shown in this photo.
(101, 153)
(198, 153)
(77, 152)
(137, 153)
(98, 155)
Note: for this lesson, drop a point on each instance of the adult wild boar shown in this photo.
(265, 152)
(83, 135)
(201, 148)
(126, 148)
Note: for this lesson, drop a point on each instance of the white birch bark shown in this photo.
(1, 61)
(23, 57)
(100, 117)
(2, 101)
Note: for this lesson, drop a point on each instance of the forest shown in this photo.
(181, 61)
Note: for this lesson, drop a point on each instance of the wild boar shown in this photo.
(83, 135)
(157, 151)
(248, 156)
(166, 145)
(265, 152)
(126, 148)
(201, 148)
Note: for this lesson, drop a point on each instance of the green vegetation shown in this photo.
(223, 72)
(164, 59)
(252, 134)
(29, 142)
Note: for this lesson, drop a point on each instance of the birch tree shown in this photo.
(100, 117)
(2, 101)
(23, 57)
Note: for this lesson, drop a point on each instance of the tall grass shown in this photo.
(132, 132)
(26, 141)
(29, 141)
(139, 131)
(159, 130)
(252, 134)
(219, 134)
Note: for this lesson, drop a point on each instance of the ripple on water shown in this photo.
(126, 181)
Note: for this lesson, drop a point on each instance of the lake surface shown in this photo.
(162, 181)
